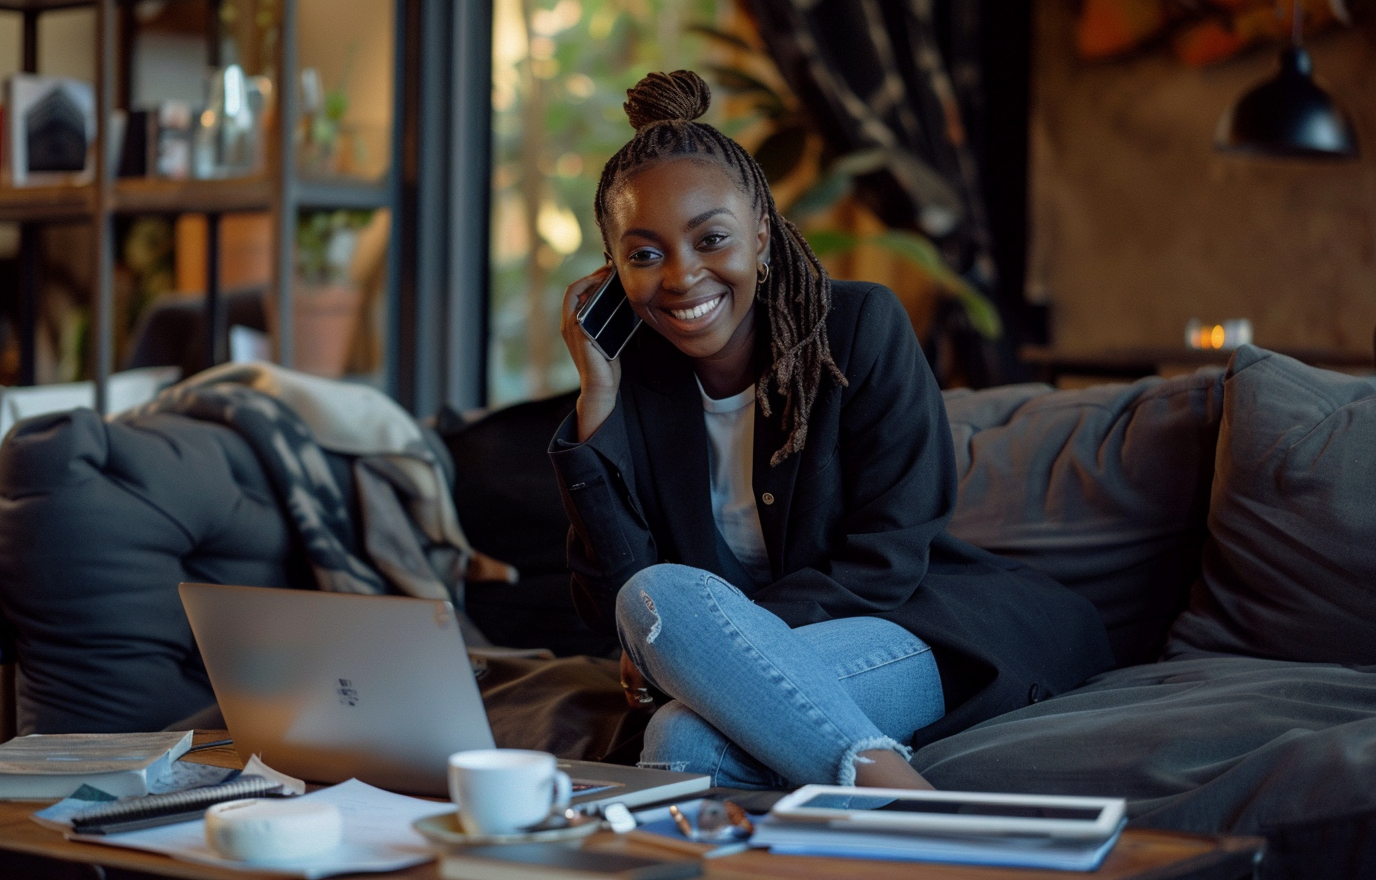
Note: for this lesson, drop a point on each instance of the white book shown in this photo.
(52, 766)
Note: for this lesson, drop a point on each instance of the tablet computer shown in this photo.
(951, 812)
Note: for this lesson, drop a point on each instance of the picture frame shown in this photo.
(49, 131)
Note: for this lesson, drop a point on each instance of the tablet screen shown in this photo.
(949, 807)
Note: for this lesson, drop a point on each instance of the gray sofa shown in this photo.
(1222, 522)
(1225, 525)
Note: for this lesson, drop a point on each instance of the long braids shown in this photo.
(796, 292)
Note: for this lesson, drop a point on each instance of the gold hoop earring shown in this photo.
(762, 275)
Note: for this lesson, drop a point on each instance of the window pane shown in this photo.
(559, 78)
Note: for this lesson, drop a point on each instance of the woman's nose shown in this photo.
(681, 273)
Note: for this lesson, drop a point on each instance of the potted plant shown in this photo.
(326, 300)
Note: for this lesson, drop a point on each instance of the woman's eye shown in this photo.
(641, 257)
(713, 239)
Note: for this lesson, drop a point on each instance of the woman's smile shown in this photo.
(691, 316)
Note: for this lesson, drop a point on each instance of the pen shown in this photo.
(213, 744)
(681, 821)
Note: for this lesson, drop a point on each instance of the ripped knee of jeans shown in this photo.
(633, 600)
(676, 766)
(845, 774)
(650, 606)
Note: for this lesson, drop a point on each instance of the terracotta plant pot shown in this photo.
(324, 323)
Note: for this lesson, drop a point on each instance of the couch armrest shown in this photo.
(99, 521)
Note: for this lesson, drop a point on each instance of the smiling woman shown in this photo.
(558, 70)
(759, 484)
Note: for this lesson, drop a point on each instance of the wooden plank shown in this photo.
(152, 195)
(1139, 854)
(31, 204)
(43, 5)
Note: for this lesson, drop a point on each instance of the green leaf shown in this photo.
(736, 80)
(771, 106)
(822, 195)
(862, 162)
(825, 242)
(919, 251)
(983, 316)
(720, 36)
(781, 152)
(336, 105)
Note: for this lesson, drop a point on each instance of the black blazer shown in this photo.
(854, 525)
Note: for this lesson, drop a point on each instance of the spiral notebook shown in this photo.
(152, 810)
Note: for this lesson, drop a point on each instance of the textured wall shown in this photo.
(1137, 225)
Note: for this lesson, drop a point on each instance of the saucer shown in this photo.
(445, 831)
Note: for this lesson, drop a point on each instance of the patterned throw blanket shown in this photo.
(411, 539)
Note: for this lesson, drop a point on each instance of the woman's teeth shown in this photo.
(697, 311)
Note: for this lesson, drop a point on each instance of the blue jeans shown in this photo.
(760, 705)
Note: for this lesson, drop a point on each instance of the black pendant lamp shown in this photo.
(1288, 115)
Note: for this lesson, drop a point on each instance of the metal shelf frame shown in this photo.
(418, 188)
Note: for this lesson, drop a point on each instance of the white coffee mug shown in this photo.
(504, 791)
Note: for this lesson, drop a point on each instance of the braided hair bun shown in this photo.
(681, 96)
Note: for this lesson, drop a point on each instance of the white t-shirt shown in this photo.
(730, 460)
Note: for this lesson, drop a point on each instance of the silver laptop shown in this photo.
(333, 686)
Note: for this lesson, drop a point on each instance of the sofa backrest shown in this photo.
(1105, 488)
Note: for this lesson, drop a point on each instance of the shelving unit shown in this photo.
(281, 191)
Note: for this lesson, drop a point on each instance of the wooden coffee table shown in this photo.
(30, 850)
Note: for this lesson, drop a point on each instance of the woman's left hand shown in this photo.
(633, 683)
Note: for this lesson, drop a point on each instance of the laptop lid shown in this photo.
(329, 686)
(333, 686)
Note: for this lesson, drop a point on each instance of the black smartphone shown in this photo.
(607, 318)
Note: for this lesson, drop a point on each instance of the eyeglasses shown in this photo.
(715, 822)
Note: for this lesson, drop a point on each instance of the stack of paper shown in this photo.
(377, 836)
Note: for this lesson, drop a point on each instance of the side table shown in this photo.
(30, 850)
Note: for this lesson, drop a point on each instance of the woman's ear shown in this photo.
(762, 238)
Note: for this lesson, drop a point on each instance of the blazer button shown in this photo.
(1034, 694)
(767, 498)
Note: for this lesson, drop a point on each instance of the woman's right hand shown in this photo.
(598, 378)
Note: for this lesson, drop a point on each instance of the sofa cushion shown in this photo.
(1289, 570)
(99, 521)
(1205, 744)
(508, 502)
(1103, 488)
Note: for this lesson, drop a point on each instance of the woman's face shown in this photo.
(687, 244)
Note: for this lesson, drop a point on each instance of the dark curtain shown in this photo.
(909, 77)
